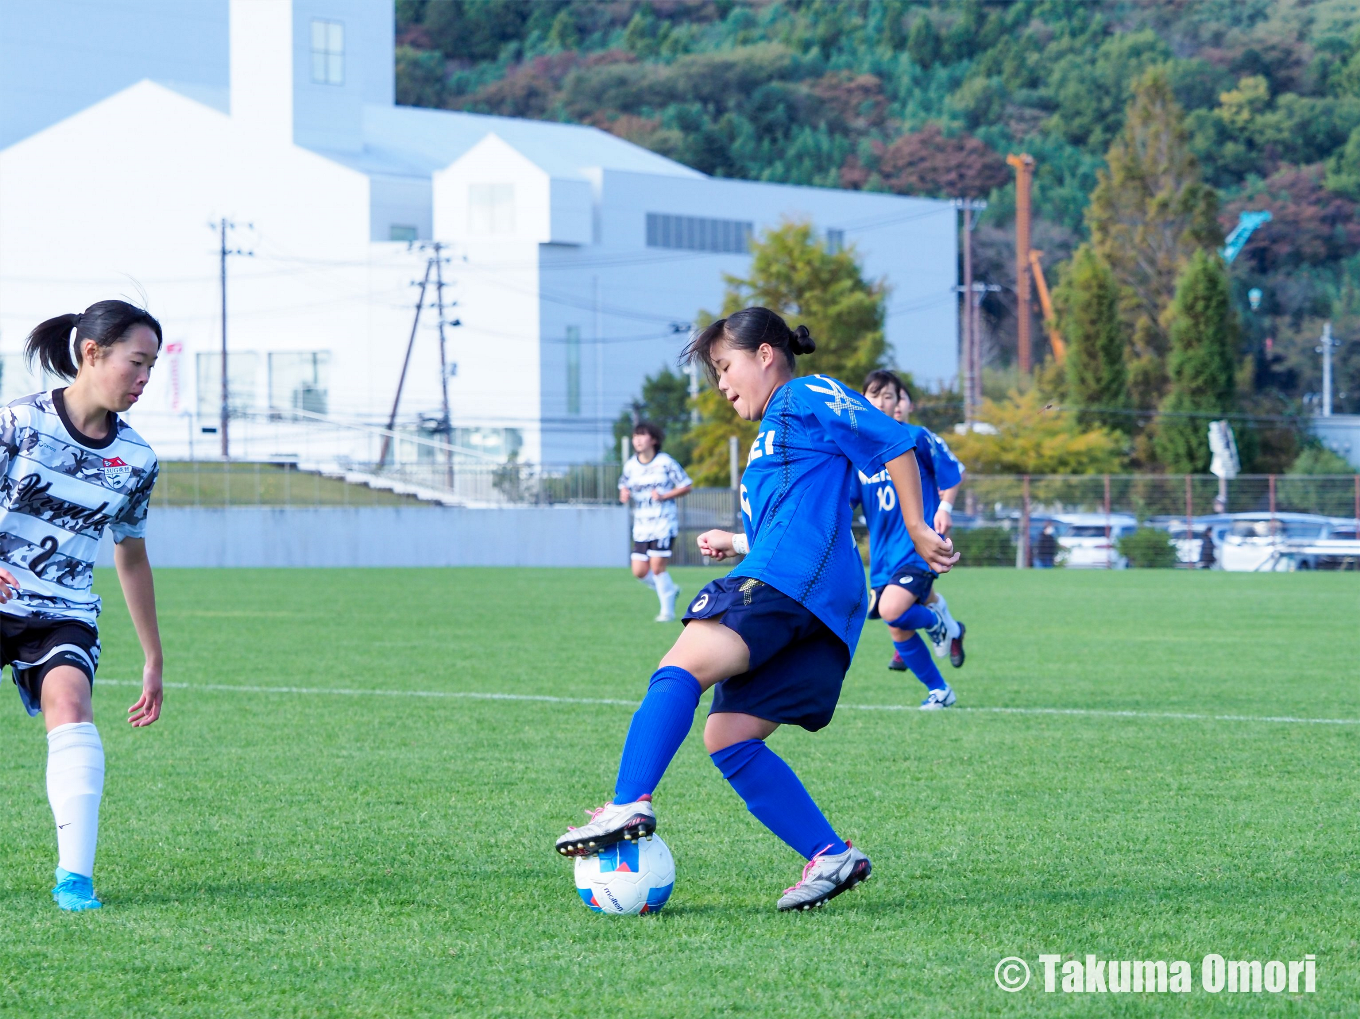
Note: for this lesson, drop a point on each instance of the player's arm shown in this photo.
(944, 516)
(139, 591)
(674, 493)
(719, 544)
(937, 551)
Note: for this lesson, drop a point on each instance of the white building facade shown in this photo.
(574, 261)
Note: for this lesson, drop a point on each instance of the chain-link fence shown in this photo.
(995, 499)
(286, 483)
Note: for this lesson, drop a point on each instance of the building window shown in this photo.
(242, 367)
(835, 241)
(298, 381)
(328, 53)
(491, 208)
(574, 370)
(397, 232)
(693, 233)
(501, 443)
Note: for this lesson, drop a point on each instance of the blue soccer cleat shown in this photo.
(74, 892)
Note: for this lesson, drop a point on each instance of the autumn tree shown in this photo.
(795, 274)
(1028, 437)
(1202, 363)
(1087, 304)
(1150, 212)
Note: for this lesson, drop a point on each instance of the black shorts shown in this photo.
(34, 647)
(916, 579)
(659, 547)
(797, 664)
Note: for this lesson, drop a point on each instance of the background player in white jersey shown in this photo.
(892, 396)
(651, 481)
(69, 467)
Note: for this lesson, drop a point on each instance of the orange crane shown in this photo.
(1055, 339)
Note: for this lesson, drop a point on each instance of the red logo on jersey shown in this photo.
(116, 471)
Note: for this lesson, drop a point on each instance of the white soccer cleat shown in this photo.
(938, 700)
(825, 877)
(614, 822)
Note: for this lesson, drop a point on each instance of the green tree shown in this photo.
(564, 35)
(1202, 364)
(795, 274)
(1087, 303)
(1149, 213)
(664, 400)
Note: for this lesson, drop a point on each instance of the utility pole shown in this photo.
(405, 364)
(222, 226)
(446, 421)
(1024, 176)
(1328, 345)
(969, 359)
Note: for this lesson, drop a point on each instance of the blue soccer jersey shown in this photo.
(795, 496)
(890, 545)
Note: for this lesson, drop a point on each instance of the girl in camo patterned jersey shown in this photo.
(69, 468)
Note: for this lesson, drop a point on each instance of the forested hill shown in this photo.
(927, 98)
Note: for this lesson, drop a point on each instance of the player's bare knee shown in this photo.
(894, 601)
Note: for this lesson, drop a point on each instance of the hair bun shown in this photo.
(801, 342)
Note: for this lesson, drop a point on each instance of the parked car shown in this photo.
(1082, 537)
(1190, 547)
(1285, 541)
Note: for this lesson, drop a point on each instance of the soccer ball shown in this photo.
(627, 878)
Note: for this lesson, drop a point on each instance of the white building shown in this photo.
(576, 260)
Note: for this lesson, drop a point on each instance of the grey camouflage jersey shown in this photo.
(58, 491)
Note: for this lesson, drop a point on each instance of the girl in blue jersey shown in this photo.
(774, 637)
(902, 582)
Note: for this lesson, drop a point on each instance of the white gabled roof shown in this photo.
(413, 141)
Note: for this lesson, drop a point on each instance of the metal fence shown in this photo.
(999, 499)
(288, 483)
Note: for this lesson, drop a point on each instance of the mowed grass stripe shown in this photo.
(365, 856)
(545, 698)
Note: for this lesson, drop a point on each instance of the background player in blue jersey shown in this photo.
(944, 515)
(775, 637)
(901, 579)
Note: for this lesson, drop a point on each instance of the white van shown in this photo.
(1282, 541)
(1082, 536)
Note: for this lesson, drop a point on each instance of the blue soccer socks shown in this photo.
(918, 617)
(777, 798)
(658, 728)
(917, 656)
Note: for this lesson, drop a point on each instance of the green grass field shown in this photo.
(312, 853)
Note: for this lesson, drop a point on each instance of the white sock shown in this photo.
(942, 609)
(75, 784)
(649, 579)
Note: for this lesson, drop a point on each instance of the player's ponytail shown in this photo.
(748, 329)
(52, 345)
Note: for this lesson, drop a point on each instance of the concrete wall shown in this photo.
(386, 536)
(1341, 434)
